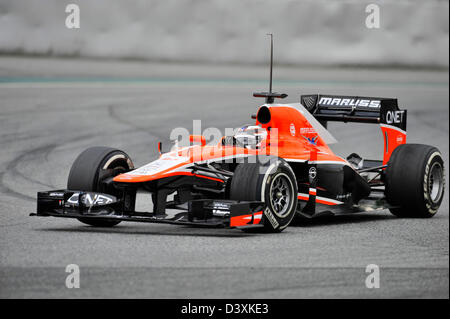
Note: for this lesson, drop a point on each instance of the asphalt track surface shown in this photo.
(50, 110)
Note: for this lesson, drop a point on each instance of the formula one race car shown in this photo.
(263, 175)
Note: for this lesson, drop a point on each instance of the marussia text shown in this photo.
(229, 308)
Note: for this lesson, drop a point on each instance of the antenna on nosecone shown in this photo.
(270, 96)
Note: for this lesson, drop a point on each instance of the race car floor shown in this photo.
(52, 109)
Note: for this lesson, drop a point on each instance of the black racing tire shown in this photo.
(415, 180)
(85, 175)
(269, 179)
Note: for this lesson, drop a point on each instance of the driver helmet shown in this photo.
(250, 136)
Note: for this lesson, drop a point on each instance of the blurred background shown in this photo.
(411, 33)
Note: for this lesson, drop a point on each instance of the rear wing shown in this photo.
(339, 108)
(360, 109)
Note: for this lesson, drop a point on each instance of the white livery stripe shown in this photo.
(316, 162)
(320, 198)
(393, 127)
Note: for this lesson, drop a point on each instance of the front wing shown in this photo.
(202, 212)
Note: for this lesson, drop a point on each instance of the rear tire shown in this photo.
(274, 183)
(415, 180)
(92, 167)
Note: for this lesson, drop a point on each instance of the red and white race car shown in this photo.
(263, 175)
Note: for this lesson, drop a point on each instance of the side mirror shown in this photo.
(197, 139)
(160, 148)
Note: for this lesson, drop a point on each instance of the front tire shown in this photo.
(415, 180)
(89, 171)
(272, 182)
